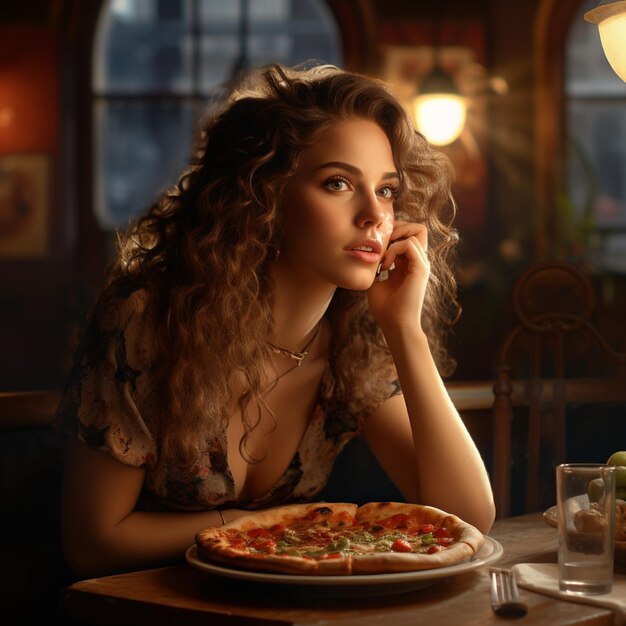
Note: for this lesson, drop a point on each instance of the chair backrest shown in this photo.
(554, 357)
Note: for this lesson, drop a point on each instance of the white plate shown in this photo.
(490, 551)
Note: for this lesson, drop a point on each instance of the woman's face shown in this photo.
(339, 205)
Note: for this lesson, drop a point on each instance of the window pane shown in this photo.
(283, 31)
(596, 159)
(218, 58)
(143, 46)
(142, 147)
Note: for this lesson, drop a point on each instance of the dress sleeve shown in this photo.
(110, 381)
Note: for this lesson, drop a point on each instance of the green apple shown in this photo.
(617, 458)
(595, 490)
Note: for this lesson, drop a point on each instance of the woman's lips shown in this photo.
(367, 257)
(366, 251)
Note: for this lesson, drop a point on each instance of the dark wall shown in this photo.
(33, 295)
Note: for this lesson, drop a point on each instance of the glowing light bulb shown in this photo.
(440, 117)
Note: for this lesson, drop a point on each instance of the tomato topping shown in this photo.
(426, 528)
(401, 545)
(259, 532)
(263, 545)
(442, 532)
(444, 541)
(277, 529)
(331, 555)
(433, 549)
(396, 521)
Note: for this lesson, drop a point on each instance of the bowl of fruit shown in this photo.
(618, 460)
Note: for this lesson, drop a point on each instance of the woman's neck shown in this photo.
(299, 305)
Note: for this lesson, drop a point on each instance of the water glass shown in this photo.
(586, 522)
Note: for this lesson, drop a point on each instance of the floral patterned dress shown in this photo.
(112, 397)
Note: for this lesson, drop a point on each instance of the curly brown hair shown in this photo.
(201, 251)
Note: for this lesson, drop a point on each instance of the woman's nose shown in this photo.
(371, 213)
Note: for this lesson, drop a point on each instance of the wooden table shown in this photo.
(184, 596)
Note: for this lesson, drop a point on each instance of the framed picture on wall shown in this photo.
(24, 205)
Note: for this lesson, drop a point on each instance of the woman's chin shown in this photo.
(358, 283)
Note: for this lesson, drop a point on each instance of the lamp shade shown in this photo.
(611, 21)
(439, 109)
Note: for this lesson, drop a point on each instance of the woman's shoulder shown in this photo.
(124, 321)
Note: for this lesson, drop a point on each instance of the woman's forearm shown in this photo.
(141, 540)
(101, 529)
(450, 471)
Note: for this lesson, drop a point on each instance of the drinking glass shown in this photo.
(586, 523)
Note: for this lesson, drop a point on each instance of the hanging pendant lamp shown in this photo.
(440, 110)
(610, 18)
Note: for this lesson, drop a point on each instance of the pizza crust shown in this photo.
(218, 544)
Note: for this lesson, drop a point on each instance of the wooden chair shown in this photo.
(555, 358)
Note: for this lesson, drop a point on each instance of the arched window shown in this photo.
(156, 66)
(595, 131)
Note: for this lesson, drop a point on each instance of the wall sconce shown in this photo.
(611, 21)
(439, 108)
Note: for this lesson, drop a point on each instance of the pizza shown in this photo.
(341, 539)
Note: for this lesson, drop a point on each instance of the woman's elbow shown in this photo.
(86, 555)
(79, 557)
(485, 517)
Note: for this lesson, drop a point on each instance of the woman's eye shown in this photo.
(388, 192)
(337, 184)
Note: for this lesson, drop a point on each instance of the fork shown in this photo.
(505, 599)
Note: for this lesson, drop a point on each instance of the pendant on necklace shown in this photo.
(296, 356)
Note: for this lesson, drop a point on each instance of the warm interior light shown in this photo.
(611, 21)
(440, 117)
(439, 109)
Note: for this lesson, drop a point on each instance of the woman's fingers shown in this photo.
(403, 230)
(410, 248)
(400, 247)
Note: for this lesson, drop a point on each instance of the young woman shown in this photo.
(287, 295)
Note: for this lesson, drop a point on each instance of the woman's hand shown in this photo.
(399, 299)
